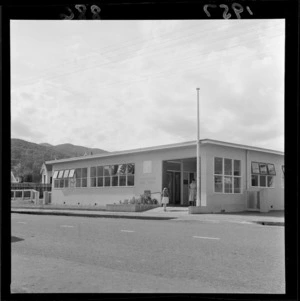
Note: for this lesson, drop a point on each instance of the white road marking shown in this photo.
(205, 237)
(127, 231)
(21, 223)
(66, 226)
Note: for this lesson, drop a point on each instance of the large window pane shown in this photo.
(237, 168)
(78, 173)
(61, 183)
(115, 181)
(56, 183)
(218, 166)
(262, 181)
(130, 180)
(271, 169)
(263, 168)
(130, 168)
(254, 180)
(107, 171)
(228, 166)
(93, 171)
(237, 185)
(78, 182)
(93, 182)
(99, 171)
(114, 170)
(84, 182)
(100, 182)
(84, 172)
(228, 184)
(270, 180)
(255, 167)
(122, 180)
(60, 174)
(66, 182)
(66, 173)
(122, 169)
(218, 184)
(107, 181)
(71, 174)
(55, 174)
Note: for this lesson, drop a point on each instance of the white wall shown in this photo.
(215, 202)
(108, 195)
(238, 202)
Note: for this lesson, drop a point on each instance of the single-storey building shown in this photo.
(46, 172)
(233, 177)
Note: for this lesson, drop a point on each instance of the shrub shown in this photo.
(142, 199)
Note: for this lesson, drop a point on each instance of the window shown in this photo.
(112, 175)
(262, 174)
(81, 177)
(227, 175)
(62, 178)
(60, 174)
(255, 168)
(55, 174)
(66, 173)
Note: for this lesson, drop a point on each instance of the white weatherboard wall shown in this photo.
(235, 202)
(108, 195)
(230, 202)
(148, 176)
(273, 196)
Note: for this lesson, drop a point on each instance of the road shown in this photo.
(59, 254)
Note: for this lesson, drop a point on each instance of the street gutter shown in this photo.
(95, 215)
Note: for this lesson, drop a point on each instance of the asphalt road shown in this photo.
(58, 254)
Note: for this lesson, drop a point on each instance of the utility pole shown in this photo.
(198, 202)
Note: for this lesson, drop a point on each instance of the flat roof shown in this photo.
(167, 146)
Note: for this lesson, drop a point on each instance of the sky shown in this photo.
(120, 85)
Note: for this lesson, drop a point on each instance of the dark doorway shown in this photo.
(173, 185)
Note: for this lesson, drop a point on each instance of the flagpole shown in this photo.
(198, 201)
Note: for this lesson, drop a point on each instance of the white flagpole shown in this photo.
(198, 202)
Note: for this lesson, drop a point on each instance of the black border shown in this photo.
(138, 10)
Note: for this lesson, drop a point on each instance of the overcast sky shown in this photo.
(120, 85)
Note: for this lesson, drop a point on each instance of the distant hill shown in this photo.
(76, 150)
(27, 157)
(45, 144)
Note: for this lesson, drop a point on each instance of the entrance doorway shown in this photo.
(173, 185)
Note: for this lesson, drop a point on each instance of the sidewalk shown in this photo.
(172, 213)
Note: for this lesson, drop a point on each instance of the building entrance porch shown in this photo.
(177, 176)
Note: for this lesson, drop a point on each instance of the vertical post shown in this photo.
(198, 202)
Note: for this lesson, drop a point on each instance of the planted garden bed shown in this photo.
(130, 207)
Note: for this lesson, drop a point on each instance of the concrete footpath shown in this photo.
(273, 218)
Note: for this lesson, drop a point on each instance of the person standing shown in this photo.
(192, 193)
(165, 198)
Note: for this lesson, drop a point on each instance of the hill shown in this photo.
(27, 157)
(75, 150)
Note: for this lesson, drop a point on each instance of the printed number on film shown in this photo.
(81, 12)
(236, 7)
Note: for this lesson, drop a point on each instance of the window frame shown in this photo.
(111, 172)
(263, 176)
(81, 178)
(225, 176)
